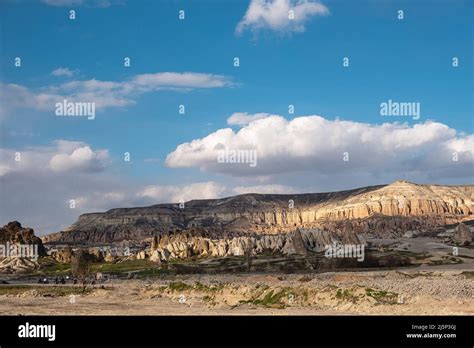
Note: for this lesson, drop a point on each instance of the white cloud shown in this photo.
(179, 80)
(36, 190)
(63, 72)
(99, 201)
(275, 15)
(316, 146)
(61, 3)
(170, 193)
(61, 156)
(16, 96)
(270, 188)
(244, 118)
(105, 93)
(72, 3)
(82, 158)
(301, 155)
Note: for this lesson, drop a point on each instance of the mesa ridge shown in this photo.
(383, 210)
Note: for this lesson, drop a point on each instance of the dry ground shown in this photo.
(407, 292)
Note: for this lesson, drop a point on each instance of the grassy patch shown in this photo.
(181, 287)
(143, 266)
(153, 272)
(49, 266)
(445, 260)
(346, 295)
(382, 296)
(45, 291)
(271, 299)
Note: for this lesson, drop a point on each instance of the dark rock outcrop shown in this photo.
(14, 233)
(462, 235)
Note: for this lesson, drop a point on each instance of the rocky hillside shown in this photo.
(388, 209)
(13, 233)
(20, 249)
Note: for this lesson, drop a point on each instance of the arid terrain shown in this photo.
(434, 283)
(409, 292)
(256, 254)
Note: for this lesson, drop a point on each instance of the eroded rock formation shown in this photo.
(14, 234)
(183, 246)
(19, 248)
(384, 211)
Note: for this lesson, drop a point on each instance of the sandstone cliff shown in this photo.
(389, 209)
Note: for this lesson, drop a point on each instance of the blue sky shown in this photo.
(407, 60)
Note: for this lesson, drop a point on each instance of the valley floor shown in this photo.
(411, 291)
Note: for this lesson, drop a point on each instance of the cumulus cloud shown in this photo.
(315, 145)
(40, 181)
(82, 158)
(105, 93)
(170, 193)
(244, 118)
(37, 190)
(275, 15)
(305, 154)
(61, 156)
(63, 72)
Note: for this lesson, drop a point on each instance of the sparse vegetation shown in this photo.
(468, 274)
(81, 264)
(272, 300)
(181, 287)
(120, 267)
(445, 260)
(346, 295)
(48, 266)
(207, 298)
(43, 291)
(142, 267)
(304, 279)
(382, 296)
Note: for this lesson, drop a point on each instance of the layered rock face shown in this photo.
(14, 234)
(19, 248)
(390, 209)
